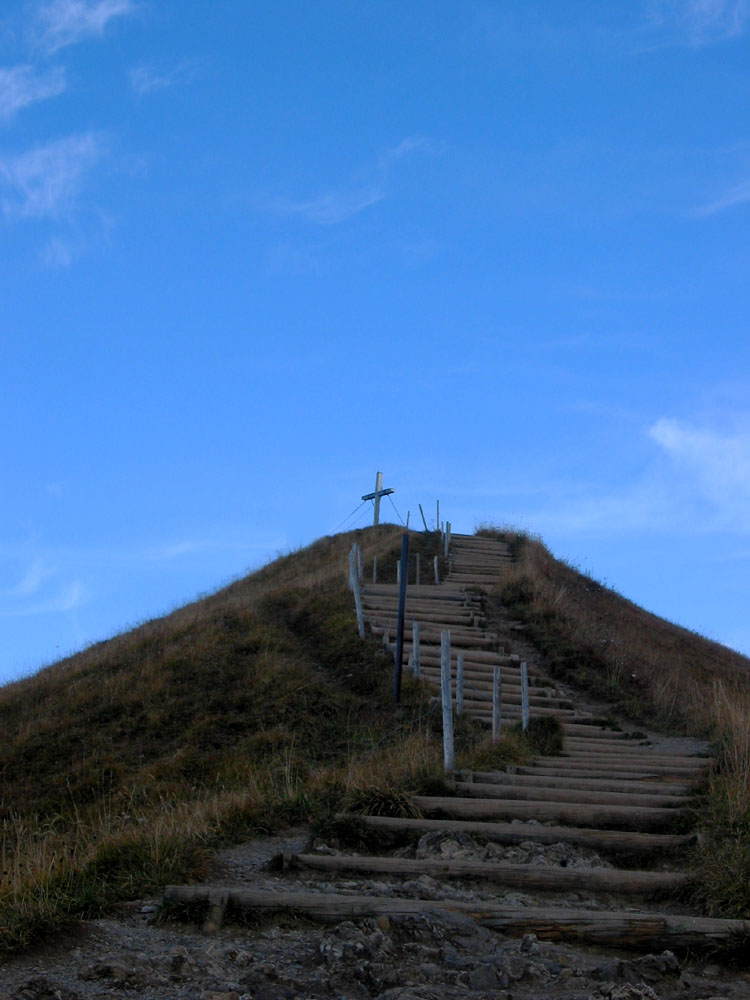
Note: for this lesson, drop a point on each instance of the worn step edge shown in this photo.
(516, 833)
(529, 877)
(635, 817)
(636, 930)
(573, 795)
(522, 778)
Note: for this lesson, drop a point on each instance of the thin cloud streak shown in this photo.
(66, 22)
(21, 86)
(145, 80)
(718, 463)
(698, 22)
(338, 205)
(45, 182)
(738, 195)
(31, 582)
(70, 597)
(332, 207)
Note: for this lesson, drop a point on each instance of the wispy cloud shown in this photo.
(46, 181)
(57, 254)
(332, 206)
(719, 462)
(737, 195)
(339, 204)
(30, 582)
(69, 597)
(21, 86)
(145, 80)
(65, 22)
(698, 22)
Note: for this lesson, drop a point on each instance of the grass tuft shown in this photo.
(382, 801)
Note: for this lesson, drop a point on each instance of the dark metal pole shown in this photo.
(401, 614)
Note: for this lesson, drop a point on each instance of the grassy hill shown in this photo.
(657, 673)
(254, 707)
(259, 706)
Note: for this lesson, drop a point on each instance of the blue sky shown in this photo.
(250, 253)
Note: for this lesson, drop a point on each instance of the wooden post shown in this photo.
(401, 615)
(437, 577)
(449, 761)
(424, 520)
(524, 696)
(408, 515)
(447, 537)
(374, 569)
(360, 562)
(459, 684)
(415, 646)
(437, 519)
(497, 679)
(416, 559)
(378, 487)
(398, 571)
(354, 584)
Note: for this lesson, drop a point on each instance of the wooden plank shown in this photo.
(584, 796)
(624, 928)
(524, 776)
(636, 817)
(516, 833)
(621, 774)
(528, 877)
(596, 761)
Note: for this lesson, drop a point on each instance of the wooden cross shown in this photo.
(379, 492)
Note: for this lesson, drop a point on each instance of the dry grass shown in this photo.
(253, 708)
(654, 672)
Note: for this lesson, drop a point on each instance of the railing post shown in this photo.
(524, 696)
(401, 613)
(459, 684)
(354, 584)
(449, 761)
(374, 569)
(497, 680)
(437, 576)
(415, 647)
(416, 578)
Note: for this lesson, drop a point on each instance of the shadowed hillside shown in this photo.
(233, 715)
(259, 706)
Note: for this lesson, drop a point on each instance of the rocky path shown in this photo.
(525, 885)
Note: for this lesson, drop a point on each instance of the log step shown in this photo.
(643, 773)
(576, 795)
(527, 877)
(636, 817)
(525, 777)
(624, 841)
(626, 929)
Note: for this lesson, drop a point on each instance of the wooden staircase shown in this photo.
(609, 791)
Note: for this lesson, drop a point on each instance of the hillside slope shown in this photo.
(232, 715)
(259, 706)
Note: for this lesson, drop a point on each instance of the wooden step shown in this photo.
(644, 773)
(613, 841)
(625, 928)
(529, 878)
(450, 593)
(575, 795)
(524, 777)
(634, 817)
